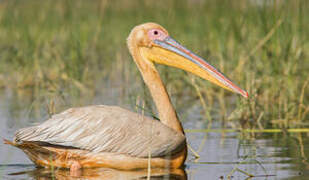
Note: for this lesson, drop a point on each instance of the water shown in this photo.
(264, 155)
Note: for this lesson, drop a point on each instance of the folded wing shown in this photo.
(105, 129)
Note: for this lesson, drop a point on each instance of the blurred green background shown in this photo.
(61, 53)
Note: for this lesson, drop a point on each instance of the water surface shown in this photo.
(222, 154)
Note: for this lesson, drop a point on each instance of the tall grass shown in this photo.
(65, 49)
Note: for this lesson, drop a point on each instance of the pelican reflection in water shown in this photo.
(103, 174)
(113, 137)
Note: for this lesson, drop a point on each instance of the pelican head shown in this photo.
(153, 43)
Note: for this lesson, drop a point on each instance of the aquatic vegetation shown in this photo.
(55, 51)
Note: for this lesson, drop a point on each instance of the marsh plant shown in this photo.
(56, 54)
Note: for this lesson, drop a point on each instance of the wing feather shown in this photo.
(106, 129)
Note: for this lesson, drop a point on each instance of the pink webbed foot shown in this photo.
(75, 169)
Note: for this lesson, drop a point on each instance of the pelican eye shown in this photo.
(156, 34)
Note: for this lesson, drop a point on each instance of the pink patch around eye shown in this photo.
(156, 34)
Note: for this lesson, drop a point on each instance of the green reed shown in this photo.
(58, 50)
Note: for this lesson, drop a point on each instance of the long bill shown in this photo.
(171, 53)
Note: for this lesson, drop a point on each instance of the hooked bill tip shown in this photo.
(245, 94)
